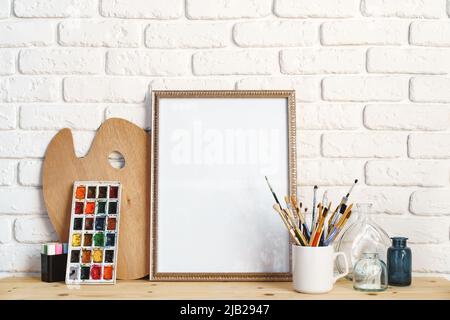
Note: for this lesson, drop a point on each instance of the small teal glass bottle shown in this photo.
(399, 263)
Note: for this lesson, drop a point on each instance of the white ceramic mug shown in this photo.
(313, 268)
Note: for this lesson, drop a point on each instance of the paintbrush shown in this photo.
(292, 221)
(325, 199)
(325, 221)
(286, 223)
(314, 228)
(303, 221)
(321, 208)
(305, 228)
(297, 231)
(347, 218)
(340, 224)
(319, 218)
(291, 209)
(330, 220)
(297, 209)
(301, 216)
(313, 217)
(344, 216)
(326, 206)
(273, 192)
(290, 217)
(293, 202)
(341, 207)
(333, 235)
(282, 213)
(320, 228)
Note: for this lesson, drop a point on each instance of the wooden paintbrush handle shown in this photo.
(297, 231)
(286, 223)
(344, 216)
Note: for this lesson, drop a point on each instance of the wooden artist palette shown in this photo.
(62, 168)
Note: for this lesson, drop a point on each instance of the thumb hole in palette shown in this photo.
(116, 160)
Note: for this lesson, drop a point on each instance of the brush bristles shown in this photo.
(329, 223)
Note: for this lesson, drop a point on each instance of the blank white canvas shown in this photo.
(214, 207)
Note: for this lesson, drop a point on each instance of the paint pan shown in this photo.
(94, 233)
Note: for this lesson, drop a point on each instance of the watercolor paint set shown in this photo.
(53, 261)
(94, 232)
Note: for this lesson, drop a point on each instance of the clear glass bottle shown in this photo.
(370, 273)
(362, 236)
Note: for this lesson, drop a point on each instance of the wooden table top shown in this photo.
(33, 288)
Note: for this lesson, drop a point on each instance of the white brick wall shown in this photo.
(7, 172)
(365, 32)
(7, 63)
(25, 33)
(421, 117)
(56, 117)
(104, 89)
(429, 145)
(306, 88)
(227, 9)
(407, 173)
(276, 33)
(430, 89)
(110, 33)
(232, 62)
(29, 89)
(187, 35)
(167, 9)
(421, 60)
(404, 8)
(364, 88)
(329, 116)
(4, 9)
(316, 8)
(54, 8)
(30, 172)
(313, 61)
(372, 81)
(430, 33)
(148, 63)
(5, 230)
(364, 145)
(430, 202)
(7, 117)
(61, 61)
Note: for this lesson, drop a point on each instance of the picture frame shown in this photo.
(211, 210)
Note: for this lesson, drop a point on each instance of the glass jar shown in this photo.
(370, 274)
(399, 262)
(362, 236)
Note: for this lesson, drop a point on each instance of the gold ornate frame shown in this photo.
(292, 166)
